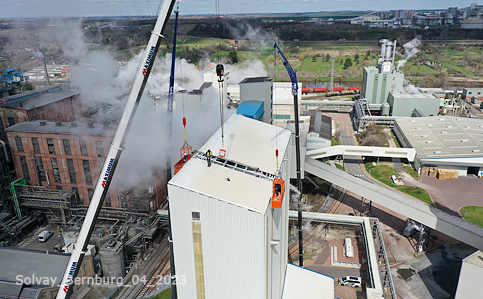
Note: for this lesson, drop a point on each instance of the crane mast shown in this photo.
(115, 150)
(293, 77)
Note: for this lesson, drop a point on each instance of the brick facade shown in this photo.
(58, 151)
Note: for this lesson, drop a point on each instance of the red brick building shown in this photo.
(69, 156)
(51, 103)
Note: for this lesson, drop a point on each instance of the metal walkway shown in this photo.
(452, 226)
(372, 151)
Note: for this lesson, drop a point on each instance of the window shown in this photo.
(35, 143)
(67, 147)
(18, 140)
(59, 188)
(195, 216)
(100, 150)
(70, 168)
(87, 172)
(90, 192)
(75, 190)
(40, 169)
(50, 145)
(25, 168)
(11, 121)
(164, 193)
(83, 148)
(108, 199)
(55, 167)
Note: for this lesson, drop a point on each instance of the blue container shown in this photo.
(251, 109)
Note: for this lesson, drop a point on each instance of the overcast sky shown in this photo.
(76, 8)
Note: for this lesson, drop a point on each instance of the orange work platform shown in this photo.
(278, 191)
(181, 163)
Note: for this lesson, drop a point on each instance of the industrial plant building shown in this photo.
(68, 156)
(383, 96)
(447, 142)
(229, 234)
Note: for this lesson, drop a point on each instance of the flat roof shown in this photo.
(24, 262)
(307, 284)
(405, 95)
(65, 128)
(225, 184)
(444, 136)
(42, 100)
(475, 258)
(250, 142)
(255, 80)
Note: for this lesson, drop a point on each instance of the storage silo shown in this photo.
(112, 259)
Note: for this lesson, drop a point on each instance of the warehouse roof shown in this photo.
(255, 80)
(66, 128)
(444, 136)
(476, 258)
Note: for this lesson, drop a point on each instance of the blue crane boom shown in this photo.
(295, 88)
(291, 72)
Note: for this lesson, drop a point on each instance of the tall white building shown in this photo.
(228, 240)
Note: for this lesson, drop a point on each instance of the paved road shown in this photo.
(337, 272)
(352, 164)
(397, 162)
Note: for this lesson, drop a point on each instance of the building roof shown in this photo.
(321, 124)
(476, 259)
(250, 142)
(406, 95)
(40, 99)
(444, 137)
(63, 128)
(252, 109)
(307, 284)
(255, 80)
(23, 262)
(225, 184)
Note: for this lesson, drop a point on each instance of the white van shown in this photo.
(349, 251)
(45, 235)
(351, 281)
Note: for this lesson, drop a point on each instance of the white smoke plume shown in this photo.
(247, 32)
(410, 49)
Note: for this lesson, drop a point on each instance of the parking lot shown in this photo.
(32, 242)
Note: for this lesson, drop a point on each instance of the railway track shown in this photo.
(146, 276)
(334, 208)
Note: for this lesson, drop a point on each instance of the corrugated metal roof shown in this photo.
(303, 283)
(250, 142)
(15, 262)
(444, 136)
(225, 184)
(41, 99)
(476, 259)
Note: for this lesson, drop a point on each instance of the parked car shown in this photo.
(45, 235)
(409, 231)
(351, 281)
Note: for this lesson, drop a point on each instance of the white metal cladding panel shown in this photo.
(469, 285)
(233, 246)
(250, 142)
(180, 210)
(241, 189)
(306, 284)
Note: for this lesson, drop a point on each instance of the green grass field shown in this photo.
(166, 294)
(383, 173)
(473, 214)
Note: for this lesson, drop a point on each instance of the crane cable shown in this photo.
(276, 133)
(220, 79)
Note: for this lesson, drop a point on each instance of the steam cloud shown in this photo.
(411, 49)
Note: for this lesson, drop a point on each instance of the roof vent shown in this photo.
(73, 124)
(465, 140)
(437, 152)
(475, 150)
(58, 124)
(43, 122)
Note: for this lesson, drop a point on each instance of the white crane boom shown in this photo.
(115, 150)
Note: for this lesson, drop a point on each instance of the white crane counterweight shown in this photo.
(115, 150)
